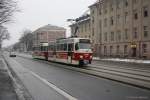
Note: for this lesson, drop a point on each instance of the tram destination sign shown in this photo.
(84, 41)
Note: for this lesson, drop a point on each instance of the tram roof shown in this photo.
(72, 39)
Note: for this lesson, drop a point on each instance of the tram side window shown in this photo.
(58, 47)
(44, 48)
(76, 46)
(51, 47)
(70, 47)
(65, 47)
(38, 49)
(61, 47)
(41, 48)
(35, 48)
(54, 47)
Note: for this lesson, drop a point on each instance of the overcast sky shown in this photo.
(36, 13)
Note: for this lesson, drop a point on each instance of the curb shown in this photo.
(21, 91)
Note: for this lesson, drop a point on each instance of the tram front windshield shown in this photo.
(83, 44)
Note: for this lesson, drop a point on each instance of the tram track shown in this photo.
(135, 77)
(147, 70)
(146, 74)
(123, 74)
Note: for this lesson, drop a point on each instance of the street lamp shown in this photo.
(76, 27)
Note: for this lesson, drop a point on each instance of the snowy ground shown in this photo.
(123, 60)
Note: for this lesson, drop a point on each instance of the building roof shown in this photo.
(50, 27)
(96, 3)
(81, 19)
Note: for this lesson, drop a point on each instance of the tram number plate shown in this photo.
(86, 61)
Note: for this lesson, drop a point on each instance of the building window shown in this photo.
(145, 31)
(125, 49)
(144, 47)
(145, 11)
(126, 3)
(105, 10)
(135, 1)
(93, 41)
(92, 19)
(118, 19)
(100, 24)
(118, 50)
(92, 31)
(118, 4)
(85, 27)
(111, 50)
(81, 28)
(105, 50)
(112, 21)
(105, 22)
(100, 11)
(126, 17)
(92, 11)
(89, 26)
(105, 36)
(135, 14)
(135, 33)
(112, 36)
(111, 7)
(119, 35)
(126, 34)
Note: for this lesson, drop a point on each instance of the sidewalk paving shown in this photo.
(6, 85)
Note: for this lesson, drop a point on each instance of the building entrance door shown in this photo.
(134, 52)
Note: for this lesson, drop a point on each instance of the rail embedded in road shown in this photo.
(135, 77)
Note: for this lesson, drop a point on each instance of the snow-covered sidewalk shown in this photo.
(24, 55)
(123, 60)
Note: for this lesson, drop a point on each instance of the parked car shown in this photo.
(12, 54)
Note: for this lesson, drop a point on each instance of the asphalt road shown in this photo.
(80, 85)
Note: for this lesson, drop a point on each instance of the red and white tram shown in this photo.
(40, 51)
(76, 51)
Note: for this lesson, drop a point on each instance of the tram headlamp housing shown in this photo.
(91, 57)
(81, 57)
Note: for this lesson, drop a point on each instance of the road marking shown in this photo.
(58, 90)
(63, 93)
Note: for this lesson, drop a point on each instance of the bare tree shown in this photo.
(16, 46)
(4, 34)
(27, 40)
(7, 9)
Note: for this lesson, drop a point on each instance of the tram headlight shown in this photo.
(91, 57)
(81, 57)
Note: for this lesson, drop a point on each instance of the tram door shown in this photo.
(70, 52)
